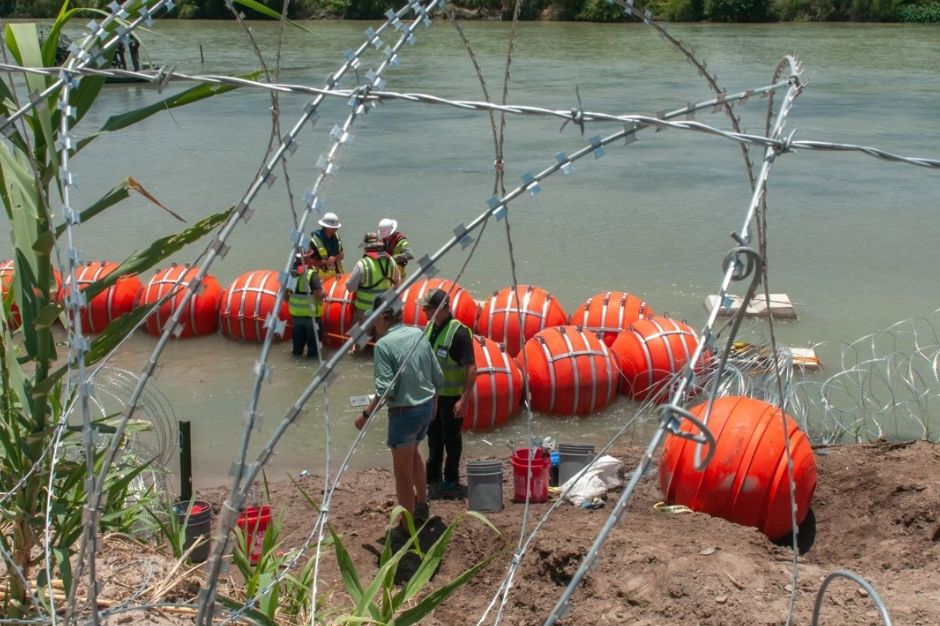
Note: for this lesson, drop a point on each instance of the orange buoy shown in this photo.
(338, 308)
(611, 312)
(462, 305)
(7, 270)
(499, 319)
(650, 352)
(498, 388)
(746, 480)
(201, 316)
(107, 305)
(247, 303)
(571, 371)
(6, 280)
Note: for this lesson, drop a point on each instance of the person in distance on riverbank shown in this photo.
(327, 247)
(411, 396)
(305, 305)
(396, 244)
(453, 349)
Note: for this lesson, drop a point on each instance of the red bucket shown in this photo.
(535, 469)
(254, 521)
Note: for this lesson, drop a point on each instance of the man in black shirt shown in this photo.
(453, 347)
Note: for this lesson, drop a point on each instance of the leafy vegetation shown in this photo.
(920, 13)
(37, 397)
(380, 601)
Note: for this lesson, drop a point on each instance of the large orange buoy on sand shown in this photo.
(498, 389)
(338, 308)
(462, 305)
(7, 269)
(650, 352)
(611, 312)
(746, 480)
(107, 305)
(570, 371)
(499, 319)
(247, 303)
(201, 316)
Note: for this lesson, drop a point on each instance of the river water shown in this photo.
(851, 239)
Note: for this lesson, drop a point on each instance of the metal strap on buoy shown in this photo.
(490, 369)
(96, 273)
(573, 354)
(170, 279)
(663, 334)
(523, 308)
(601, 325)
(415, 302)
(246, 287)
(454, 294)
(343, 300)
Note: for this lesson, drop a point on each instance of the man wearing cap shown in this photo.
(373, 274)
(453, 347)
(305, 305)
(408, 375)
(396, 244)
(327, 247)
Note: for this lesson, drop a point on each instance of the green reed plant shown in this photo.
(259, 577)
(379, 601)
(172, 530)
(35, 392)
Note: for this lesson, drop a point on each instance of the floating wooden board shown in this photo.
(780, 306)
(805, 358)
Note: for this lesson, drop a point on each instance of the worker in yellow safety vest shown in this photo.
(305, 305)
(327, 247)
(396, 243)
(453, 347)
(373, 274)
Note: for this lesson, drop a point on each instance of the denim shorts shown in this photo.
(408, 425)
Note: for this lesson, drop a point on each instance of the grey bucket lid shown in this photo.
(484, 466)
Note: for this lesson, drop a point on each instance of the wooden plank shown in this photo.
(805, 358)
(781, 307)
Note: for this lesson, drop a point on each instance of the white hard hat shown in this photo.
(386, 227)
(329, 220)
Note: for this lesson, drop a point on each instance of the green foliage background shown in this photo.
(922, 11)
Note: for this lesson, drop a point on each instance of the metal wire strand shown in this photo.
(864, 584)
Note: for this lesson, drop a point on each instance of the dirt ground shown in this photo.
(876, 509)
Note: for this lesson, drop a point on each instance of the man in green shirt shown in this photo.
(404, 366)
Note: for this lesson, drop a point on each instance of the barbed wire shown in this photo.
(886, 387)
(783, 144)
(864, 584)
(366, 96)
(739, 264)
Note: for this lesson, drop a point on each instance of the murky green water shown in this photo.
(853, 240)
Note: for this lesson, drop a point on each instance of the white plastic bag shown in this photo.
(594, 482)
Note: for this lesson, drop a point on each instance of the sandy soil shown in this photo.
(876, 508)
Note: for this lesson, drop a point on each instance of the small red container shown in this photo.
(254, 521)
(537, 476)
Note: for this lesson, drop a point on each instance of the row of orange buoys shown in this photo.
(574, 365)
